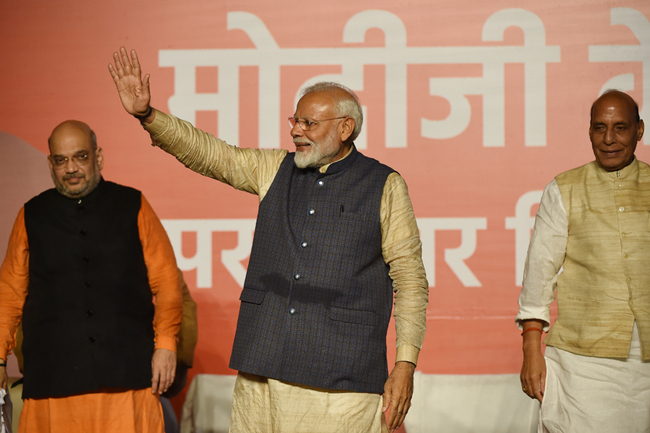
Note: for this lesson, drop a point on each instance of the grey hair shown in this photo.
(347, 102)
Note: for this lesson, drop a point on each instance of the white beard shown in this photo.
(319, 154)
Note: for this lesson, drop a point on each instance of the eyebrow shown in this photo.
(78, 152)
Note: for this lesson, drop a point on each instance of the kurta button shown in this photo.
(87, 284)
(91, 339)
(621, 209)
(321, 183)
(304, 244)
(292, 311)
(296, 277)
(312, 211)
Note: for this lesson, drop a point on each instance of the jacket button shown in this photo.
(91, 339)
(292, 311)
(304, 244)
(296, 277)
(87, 284)
(89, 313)
(312, 211)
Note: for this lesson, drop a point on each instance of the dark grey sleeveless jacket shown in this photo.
(317, 297)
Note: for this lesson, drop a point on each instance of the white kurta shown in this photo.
(583, 393)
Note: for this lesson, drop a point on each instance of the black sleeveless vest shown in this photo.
(317, 297)
(88, 316)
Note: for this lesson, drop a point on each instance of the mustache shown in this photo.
(72, 176)
(302, 141)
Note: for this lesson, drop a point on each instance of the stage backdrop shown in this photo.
(477, 104)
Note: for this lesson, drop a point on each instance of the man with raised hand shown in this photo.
(336, 239)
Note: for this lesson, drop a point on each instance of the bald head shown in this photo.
(75, 160)
(615, 129)
(74, 127)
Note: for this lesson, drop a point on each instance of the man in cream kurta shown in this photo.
(327, 120)
(589, 246)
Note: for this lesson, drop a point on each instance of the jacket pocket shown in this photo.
(252, 296)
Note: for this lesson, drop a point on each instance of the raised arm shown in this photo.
(132, 88)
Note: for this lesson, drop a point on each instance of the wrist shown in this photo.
(144, 116)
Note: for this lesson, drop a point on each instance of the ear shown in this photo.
(346, 129)
(99, 155)
(640, 129)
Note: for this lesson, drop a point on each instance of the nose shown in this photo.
(296, 130)
(609, 137)
(71, 166)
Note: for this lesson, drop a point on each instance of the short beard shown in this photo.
(318, 155)
(91, 184)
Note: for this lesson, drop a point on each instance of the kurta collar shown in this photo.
(341, 164)
(630, 171)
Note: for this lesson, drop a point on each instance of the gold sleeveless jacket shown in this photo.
(605, 283)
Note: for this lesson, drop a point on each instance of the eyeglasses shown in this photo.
(306, 125)
(79, 159)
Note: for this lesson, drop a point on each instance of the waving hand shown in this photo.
(132, 88)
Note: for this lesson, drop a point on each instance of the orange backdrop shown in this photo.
(477, 104)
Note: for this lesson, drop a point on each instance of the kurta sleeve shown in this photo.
(14, 280)
(250, 170)
(545, 257)
(402, 251)
(163, 277)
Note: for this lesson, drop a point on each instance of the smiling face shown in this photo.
(614, 130)
(75, 161)
(324, 143)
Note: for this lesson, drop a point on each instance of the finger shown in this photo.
(397, 408)
(155, 380)
(135, 62)
(526, 387)
(386, 401)
(402, 411)
(168, 380)
(118, 65)
(542, 382)
(111, 70)
(125, 60)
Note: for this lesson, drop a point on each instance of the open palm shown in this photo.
(133, 89)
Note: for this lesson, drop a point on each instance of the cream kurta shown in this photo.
(261, 404)
(253, 171)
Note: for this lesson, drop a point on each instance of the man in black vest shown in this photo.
(335, 236)
(84, 261)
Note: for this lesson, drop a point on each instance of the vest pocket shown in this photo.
(360, 317)
(252, 296)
